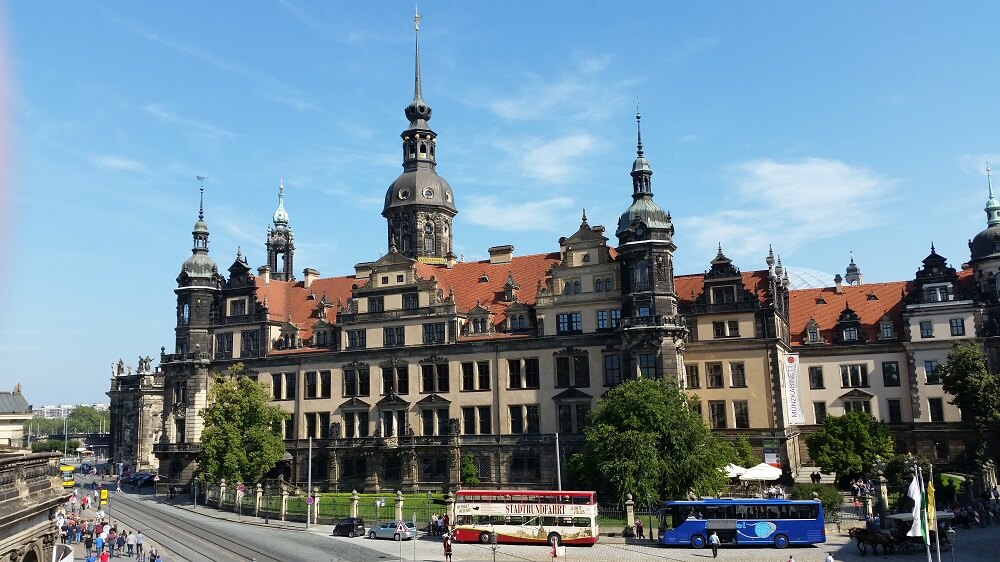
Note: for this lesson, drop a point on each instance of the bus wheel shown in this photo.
(697, 541)
(484, 538)
(780, 541)
(554, 539)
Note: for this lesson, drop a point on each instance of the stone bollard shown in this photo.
(449, 507)
(629, 514)
(354, 503)
(399, 505)
(256, 503)
(222, 491)
(315, 505)
(284, 503)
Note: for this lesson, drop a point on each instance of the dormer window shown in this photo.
(886, 330)
(813, 334)
(237, 307)
(850, 334)
(508, 295)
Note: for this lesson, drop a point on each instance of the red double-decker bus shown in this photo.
(526, 516)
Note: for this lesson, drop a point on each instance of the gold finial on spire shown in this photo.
(989, 180)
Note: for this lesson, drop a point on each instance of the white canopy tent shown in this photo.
(733, 470)
(763, 472)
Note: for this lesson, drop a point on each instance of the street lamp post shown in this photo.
(65, 435)
(951, 540)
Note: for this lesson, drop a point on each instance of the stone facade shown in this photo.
(33, 493)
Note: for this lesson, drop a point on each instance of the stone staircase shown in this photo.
(802, 476)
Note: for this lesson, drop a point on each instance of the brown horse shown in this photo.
(875, 539)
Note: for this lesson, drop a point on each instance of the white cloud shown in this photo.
(791, 203)
(491, 212)
(210, 131)
(553, 161)
(117, 163)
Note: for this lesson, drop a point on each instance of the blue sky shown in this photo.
(820, 129)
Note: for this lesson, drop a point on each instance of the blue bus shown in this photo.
(742, 522)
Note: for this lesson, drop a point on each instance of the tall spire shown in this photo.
(418, 112)
(638, 130)
(641, 171)
(992, 204)
(280, 215)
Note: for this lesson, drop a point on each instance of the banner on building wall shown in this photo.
(792, 394)
(771, 454)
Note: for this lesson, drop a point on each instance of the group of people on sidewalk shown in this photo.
(102, 539)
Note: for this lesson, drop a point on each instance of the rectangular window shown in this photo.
(693, 376)
(276, 386)
(411, 301)
(469, 420)
(357, 382)
(741, 414)
(581, 370)
(249, 343)
(224, 345)
(858, 406)
(713, 375)
(376, 304)
(734, 328)
(434, 333)
(485, 420)
(895, 411)
(356, 424)
(890, 373)
(816, 377)
(443, 378)
(324, 425)
(311, 425)
(930, 371)
(427, 417)
(602, 320)
(290, 390)
(237, 307)
(180, 392)
(468, 376)
(562, 372)
(516, 420)
(569, 323)
(483, 371)
(647, 366)
(312, 388)
(724, 294)
(356, 339)
(532, 419)
(819, 411)
(941, 450)
(325, 385)
(737, 375)
(717, 414)
(936, 407)
(289, 428)
(582, 416)
(514, 377)
(616, 318)
(612, 370)
(427, 378)
(957, 326)
(719, 329)
(531, 378)
(395, 380)
(926, 329)
(888, 332)
(854, 376)
(565, 416)
(393, 336)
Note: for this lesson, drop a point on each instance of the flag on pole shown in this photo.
(931, 508)
(916, 494)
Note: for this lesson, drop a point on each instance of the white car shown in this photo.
(395, 530)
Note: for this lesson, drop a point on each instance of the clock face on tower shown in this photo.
(639, 232)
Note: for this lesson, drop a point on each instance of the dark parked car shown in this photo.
(350, 527)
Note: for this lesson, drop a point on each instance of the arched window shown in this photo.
(568, 288)
(576, 287)
(428, 244)
(423, 150)
(598, 285)
(608, 285)
(185, 314)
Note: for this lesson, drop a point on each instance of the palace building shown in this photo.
(409, 363)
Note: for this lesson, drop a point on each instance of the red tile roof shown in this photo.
(888, 299)
(289, 301)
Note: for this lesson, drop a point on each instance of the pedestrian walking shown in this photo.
(829, 558)
(130, 541)
(447, 547)
(139, 554)
(713, 541)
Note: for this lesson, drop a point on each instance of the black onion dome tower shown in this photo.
(197, 290)
(281, 242)
(419, 205)
(653, 333)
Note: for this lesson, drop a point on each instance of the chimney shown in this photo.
(450, 260)
(501, 254)
(362, 270)
(838, 280)
(310, 275)
(264, 272)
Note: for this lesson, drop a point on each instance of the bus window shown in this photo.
(463, 520)
(581, 522)
(496, 520)
(549, 521)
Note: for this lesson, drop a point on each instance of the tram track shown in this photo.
(188, 536)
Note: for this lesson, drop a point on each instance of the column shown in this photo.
(256, 504)
(315, 504)
(284, 502)
(222, 491)
(629, 530)
(354, 503)
(399, 505)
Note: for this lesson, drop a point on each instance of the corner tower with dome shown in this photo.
(419, 204)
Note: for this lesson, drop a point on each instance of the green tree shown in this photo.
(242, 438)
(828, 496)
(744, 453)
(848, 444)
(55, 445)
(645, 440)
(87, 419)
(974, 390)
(470, 474)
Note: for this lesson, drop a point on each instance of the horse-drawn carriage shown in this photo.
(894, 536)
